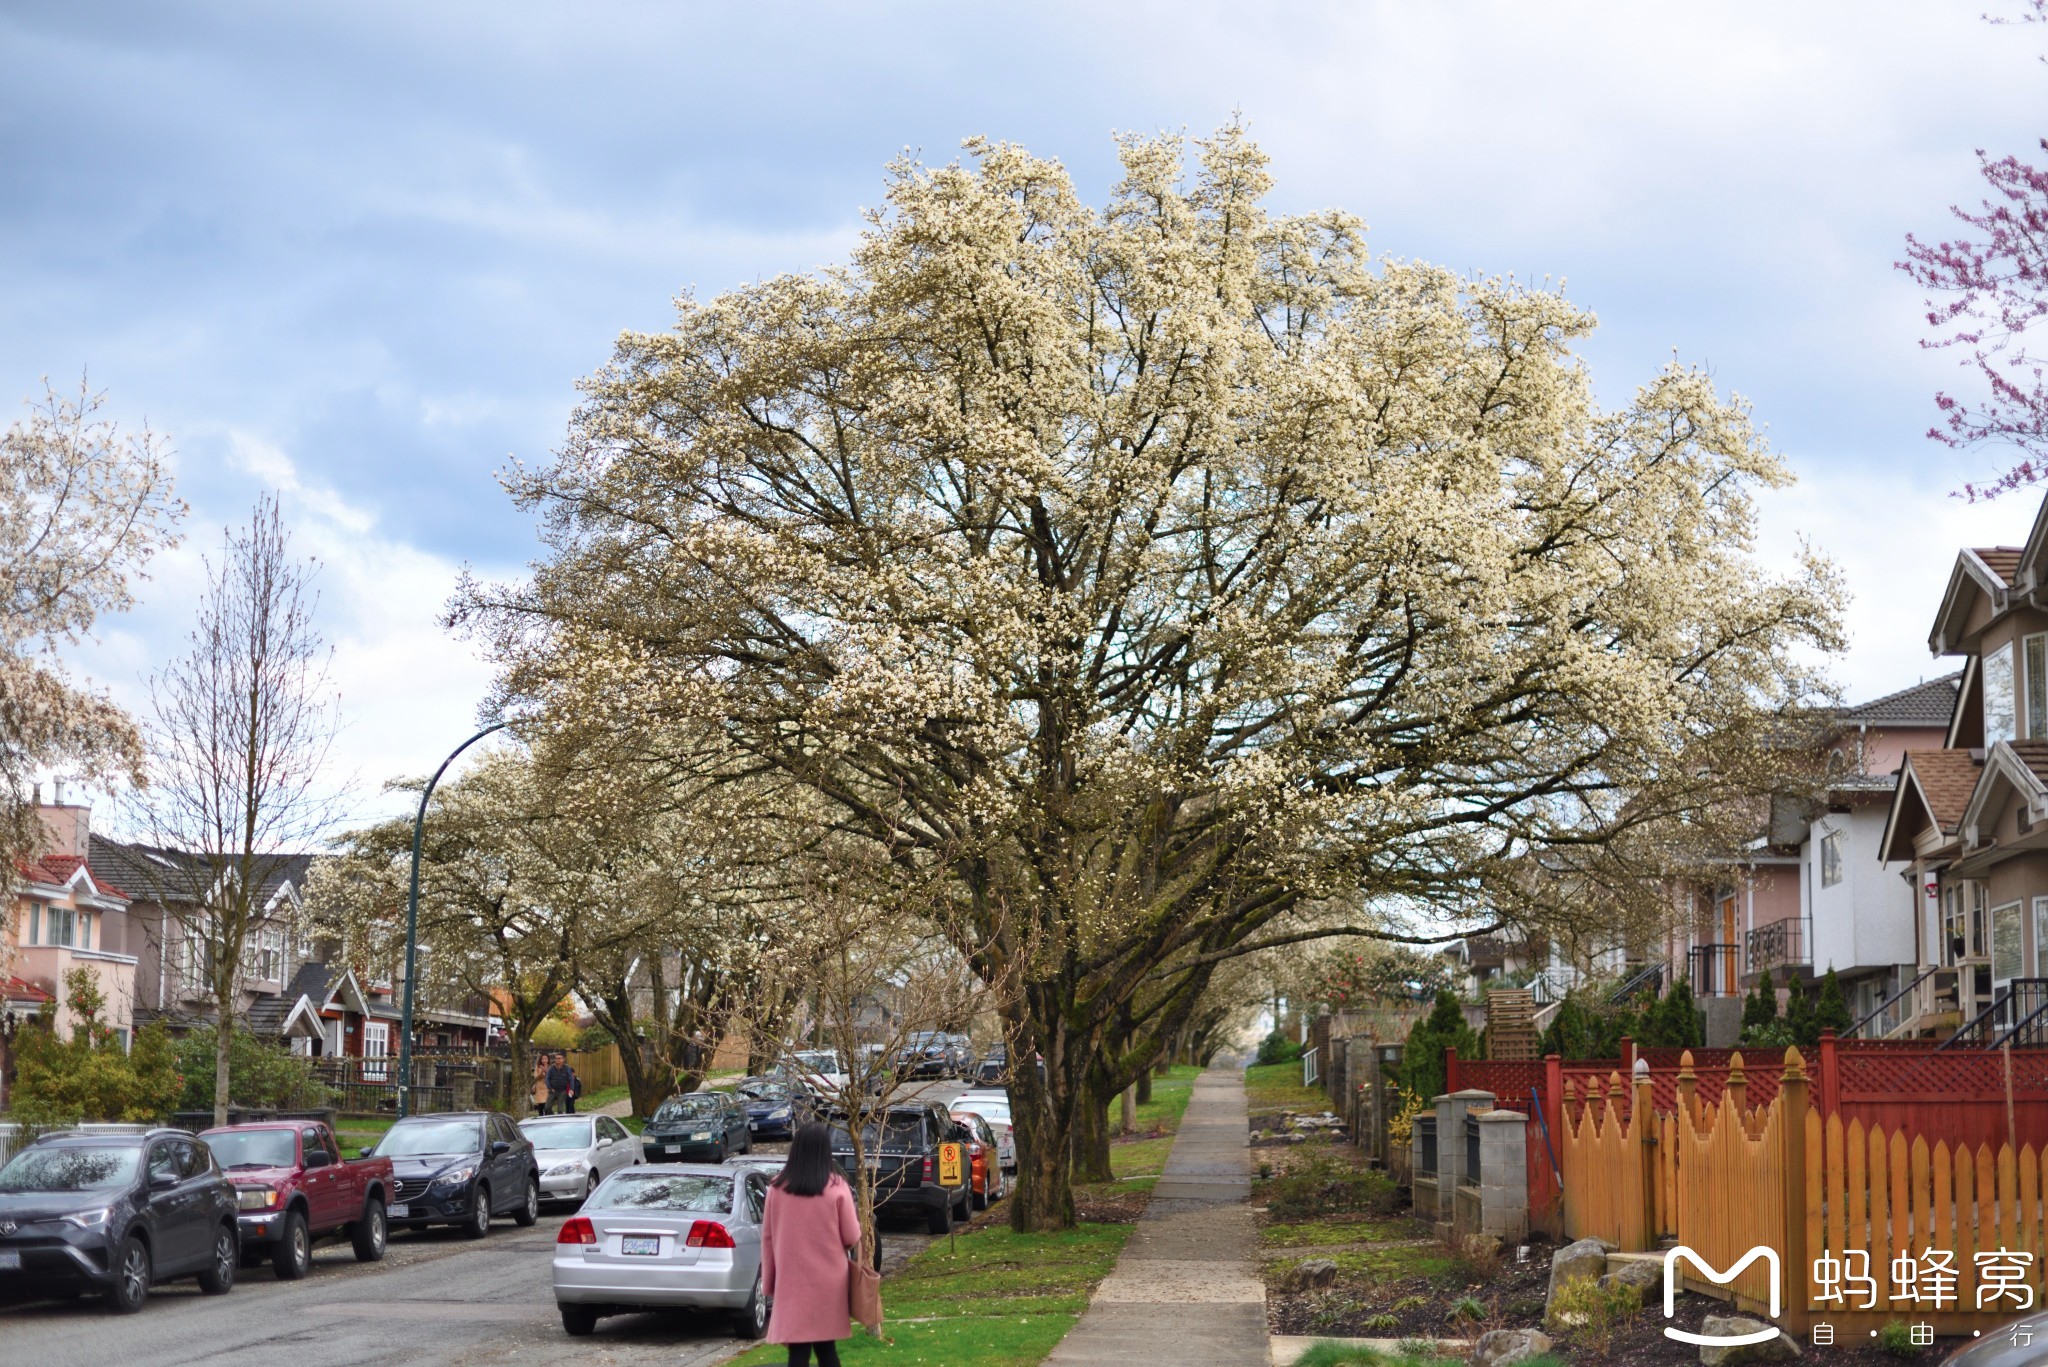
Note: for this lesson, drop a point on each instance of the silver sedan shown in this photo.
(666, 1235)
(576, 1152)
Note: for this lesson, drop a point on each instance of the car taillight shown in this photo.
(709, 1234)
(576, 1230)
(927, 1168)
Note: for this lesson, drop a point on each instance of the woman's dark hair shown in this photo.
(809, 1167)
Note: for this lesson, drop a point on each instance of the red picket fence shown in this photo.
(1957, 1095)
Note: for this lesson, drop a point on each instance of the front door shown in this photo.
(376, 1049)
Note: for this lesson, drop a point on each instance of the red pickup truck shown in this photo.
(294, 1189)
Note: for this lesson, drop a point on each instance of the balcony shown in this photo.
(1715, 970)
(1777, 945)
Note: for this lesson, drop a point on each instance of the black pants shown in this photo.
(800, 1354)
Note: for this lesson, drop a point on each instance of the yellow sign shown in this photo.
(949, 1165)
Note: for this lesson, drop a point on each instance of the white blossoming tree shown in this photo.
(84, 507)
(1161, 570)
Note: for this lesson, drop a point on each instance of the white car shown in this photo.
(818, 1069)
(577, 1152)
(996, 1111)
(665, 1236)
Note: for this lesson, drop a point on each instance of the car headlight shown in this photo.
(255, 1198)
(779, 1113)
(700, 1135)
(455, 1177)
(563, 1169)
(90, 1219)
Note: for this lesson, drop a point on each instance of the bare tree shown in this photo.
(241, 729)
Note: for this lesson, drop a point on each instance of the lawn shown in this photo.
(1277, 1087)
(992, 1298)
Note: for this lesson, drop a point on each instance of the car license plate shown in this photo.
(10, 1262)
(639, 1247)
(398, 1211)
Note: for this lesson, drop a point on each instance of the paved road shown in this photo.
(437, 1299)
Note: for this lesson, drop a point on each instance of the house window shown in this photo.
(2006, 957)
(85, 930)
(270, 957)
(2041, 936)
(60, 926)
(1998, 696)
(2036, 659)
(35, 923)
(1831, 859)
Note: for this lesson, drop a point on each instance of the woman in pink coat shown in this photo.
(806, 1233)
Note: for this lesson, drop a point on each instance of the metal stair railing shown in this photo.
(1891, 1001)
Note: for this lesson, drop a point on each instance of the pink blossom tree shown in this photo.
(1986, 288)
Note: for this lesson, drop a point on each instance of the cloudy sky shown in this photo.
(361, 253)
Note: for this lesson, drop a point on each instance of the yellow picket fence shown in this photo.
(1871, 1226)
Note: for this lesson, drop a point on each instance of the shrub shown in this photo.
(554, 1033)
(1584, 1028)
(89, 1077)
(1325, 1185)
(1590, 1313)
(1469, 1308)
(1896, 1340)
(1799, 1015)
(260, 1073)
(1382, 1323)
(593, 1037)
(1760, 1007)
(1422, 1059)
(1831, 1011)
(1673, 1021)
(1277, 1048)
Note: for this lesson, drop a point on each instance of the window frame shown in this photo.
(2009, 667)
(2034, 683)
(1830, 858)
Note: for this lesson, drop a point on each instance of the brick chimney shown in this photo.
(67, 826)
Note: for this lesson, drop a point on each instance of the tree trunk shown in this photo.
(522, 1073)
(223, 1042)
(1144, 1085)
(1042, 1111)
(1090, 1137)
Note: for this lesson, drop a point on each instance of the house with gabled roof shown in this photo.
(64, 912)
(1969, 819)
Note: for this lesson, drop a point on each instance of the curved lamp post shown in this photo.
(412, 925)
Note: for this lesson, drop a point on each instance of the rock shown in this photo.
(1640, 1275)
(1779, 1349)
(1501, 1347)
(1586, 1258)
(1314, 1275)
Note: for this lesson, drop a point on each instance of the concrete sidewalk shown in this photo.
(1187, 1288)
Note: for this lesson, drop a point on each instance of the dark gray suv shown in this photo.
(116, 1214)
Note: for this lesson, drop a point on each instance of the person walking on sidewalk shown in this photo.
(539, 1091)
(807, 1231)
(572, 1091)
(558, 1083)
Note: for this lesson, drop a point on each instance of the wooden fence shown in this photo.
(1873, 1224)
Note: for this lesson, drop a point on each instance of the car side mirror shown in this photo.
(162, 1181)
(318, 1159)
(605, 1142)
(368, 1150)
(499, 1146)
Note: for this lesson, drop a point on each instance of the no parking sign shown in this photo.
(949, 1165)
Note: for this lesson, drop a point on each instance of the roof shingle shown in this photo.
(1948, 778)
(2003, 560)
(1928, 703)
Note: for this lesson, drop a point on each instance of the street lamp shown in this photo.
(412, 925)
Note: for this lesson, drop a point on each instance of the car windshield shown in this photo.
(899, 1134)
(688, 1108)
(819, 1061)
(252, 1148)
(557, 1134)
(993, 1112)
(663, 1191)
(765, 1089)
(66, 1167)
(409, 1140)
(925, 1037)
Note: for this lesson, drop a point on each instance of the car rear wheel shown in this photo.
(977, 1200)
(479, 1222)
(752, 1320)
(131, 1287)
(370, 1233)
(940, 1219)
(292, 1257)
(578, 1321)
(529, 1210)
(219, 1277)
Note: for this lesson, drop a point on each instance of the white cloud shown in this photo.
(408, 690)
